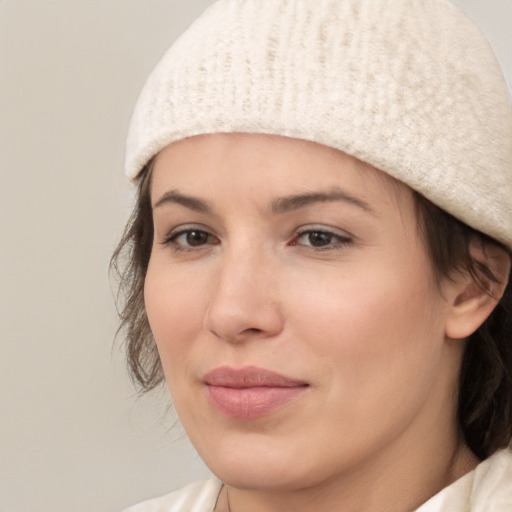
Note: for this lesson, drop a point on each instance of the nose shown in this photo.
(245, 303)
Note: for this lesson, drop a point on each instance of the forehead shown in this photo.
(282, 164)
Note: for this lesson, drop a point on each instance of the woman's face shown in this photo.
(298, 322)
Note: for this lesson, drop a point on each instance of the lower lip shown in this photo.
(251, 403)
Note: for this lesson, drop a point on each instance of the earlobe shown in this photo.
(473, 296)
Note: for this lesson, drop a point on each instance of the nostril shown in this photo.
(238, 314)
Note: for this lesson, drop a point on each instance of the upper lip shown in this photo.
(249, 377)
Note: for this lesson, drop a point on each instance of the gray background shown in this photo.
(73, 436)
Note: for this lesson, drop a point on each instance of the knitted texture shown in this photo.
(409, 86)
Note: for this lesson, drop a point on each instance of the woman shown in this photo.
(319, 256)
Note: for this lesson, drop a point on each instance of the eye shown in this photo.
(190, 239)
(321, 239)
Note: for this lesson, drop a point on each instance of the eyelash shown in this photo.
(333, 240)
(172, 239)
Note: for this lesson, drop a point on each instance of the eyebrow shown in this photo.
(278, 206)
(295, 202)
(192, 203)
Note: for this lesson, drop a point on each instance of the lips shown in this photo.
(250, 392)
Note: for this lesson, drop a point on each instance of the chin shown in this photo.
(260, 474)
(253, 461)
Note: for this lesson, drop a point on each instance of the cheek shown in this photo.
(175, 305)
(372, 304)
(378, 339)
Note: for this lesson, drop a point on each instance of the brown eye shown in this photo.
(195, 238)
(319, 238)
(189, 239)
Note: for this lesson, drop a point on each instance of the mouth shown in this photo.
(250, 392)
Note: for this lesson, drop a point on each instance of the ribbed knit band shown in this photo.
(409, 86)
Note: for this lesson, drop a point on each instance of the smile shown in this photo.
(250, 392)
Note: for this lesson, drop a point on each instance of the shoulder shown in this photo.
(195, 497)
(485, 489)
(492, 484)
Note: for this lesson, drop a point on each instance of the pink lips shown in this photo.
(250, 392)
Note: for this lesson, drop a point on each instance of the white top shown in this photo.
(488, 488)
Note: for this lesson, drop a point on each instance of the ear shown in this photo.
(471, 300)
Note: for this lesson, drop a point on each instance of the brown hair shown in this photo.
(485, 384)
(485, 381)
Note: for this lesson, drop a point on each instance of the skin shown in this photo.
(337, 292)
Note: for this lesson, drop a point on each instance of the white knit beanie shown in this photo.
(409, 86)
